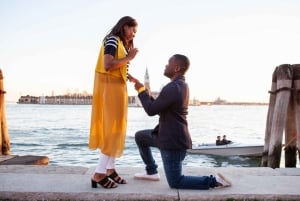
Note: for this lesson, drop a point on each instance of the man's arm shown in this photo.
(154, 106)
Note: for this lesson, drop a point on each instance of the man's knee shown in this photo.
(174, 180)
(138, 136)
(173, 184)
(144, 138)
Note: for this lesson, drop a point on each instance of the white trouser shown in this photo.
(105, 162)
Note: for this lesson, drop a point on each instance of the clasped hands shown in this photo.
(137, 83)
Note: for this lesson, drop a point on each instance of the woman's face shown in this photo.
(130, 32)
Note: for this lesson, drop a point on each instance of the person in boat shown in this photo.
(218, 141)
(171, 135)
(225, 141)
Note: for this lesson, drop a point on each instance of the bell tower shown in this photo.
(147, 81)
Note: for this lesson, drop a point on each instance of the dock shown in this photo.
(47, 182)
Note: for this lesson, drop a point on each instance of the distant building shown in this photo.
(219, 101)
(75, 99)
(28, 99)
(134, 101)
(147, 81)
(194, 102)
(82, 99)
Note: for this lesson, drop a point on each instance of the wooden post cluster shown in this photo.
(283, 117)
(4, 137)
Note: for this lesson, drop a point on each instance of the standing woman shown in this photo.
(110, 101)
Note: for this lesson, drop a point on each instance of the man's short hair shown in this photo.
(183, 61)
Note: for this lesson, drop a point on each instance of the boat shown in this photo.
(232, 149)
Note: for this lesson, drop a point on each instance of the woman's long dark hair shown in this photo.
(118, 30)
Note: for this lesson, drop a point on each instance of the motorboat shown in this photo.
(231, 149)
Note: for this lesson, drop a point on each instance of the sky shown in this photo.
(50, 47)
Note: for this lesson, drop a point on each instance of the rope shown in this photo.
(281, 89)
(289, 142)
(297, 92)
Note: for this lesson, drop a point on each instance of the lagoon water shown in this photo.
(61, 133)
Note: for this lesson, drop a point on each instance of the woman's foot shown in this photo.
(103, 180)
(115, 177)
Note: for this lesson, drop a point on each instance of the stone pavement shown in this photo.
(36, 182)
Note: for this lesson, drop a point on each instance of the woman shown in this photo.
(110, 101)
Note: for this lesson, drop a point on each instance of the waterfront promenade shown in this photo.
(39, 182)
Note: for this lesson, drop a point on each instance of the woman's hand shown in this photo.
(132, 53)
(131, 79)
(110, 63)
(137, 83)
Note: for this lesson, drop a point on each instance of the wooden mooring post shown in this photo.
(283, 116)
(294, 137)
(4, 137)
(5, 142)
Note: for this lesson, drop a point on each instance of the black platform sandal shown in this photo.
(105, 183)
(116, 178)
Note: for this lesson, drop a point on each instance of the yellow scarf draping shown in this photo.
(109, 107)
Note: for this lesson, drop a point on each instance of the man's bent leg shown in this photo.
(145, 140)
(172, 160)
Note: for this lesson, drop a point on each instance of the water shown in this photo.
(61, 133)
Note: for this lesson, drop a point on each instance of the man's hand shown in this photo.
(138, 85)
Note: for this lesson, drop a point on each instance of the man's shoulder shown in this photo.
(180, 81)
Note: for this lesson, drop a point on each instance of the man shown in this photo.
(171, 136)
(225, 141)
(218, 141)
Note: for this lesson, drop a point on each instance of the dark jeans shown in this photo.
(172, 162)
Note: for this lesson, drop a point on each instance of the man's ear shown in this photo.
(177, 68)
